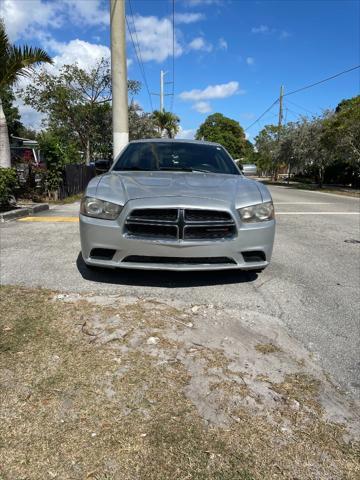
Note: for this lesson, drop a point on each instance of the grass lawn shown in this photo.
(91, 391)
(347, 192)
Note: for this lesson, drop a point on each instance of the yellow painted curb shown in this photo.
(49, 219)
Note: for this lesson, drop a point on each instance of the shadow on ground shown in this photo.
(163, 278)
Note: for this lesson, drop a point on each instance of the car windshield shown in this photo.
(176, 156)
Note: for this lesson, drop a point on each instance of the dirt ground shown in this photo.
(113, 388)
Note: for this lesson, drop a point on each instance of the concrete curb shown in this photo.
(23, 212)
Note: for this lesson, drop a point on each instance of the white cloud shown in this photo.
(260, 29)
(23, 17)
(184, 134)
(188, 17)
(29, 18)
(200, 44)
(29, 117)
(212, 91)
(265, 30)
(222, 44)
(250, 60)
(85, 54)
(89, 12)
(155, 38)
(202, 107)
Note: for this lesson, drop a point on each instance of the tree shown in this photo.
(11, 112)
(220, 129)
(16, 62)
(268, 147)
(342, 131)
(167, 123)
(141, 124)
(77, 103)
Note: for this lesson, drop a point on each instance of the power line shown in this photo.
(299, 106)
(293, 112)
(301, 89)
(173, 56)
(138, 53)
(321, 81)
(261, 116)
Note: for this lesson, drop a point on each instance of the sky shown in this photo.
(231, 56)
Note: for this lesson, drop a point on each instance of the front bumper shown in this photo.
(106, 234)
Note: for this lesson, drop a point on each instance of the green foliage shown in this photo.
(8, 182)
(220, 129)
(326, 148)
(141, 124)
(166, 122)
(342, 131)
(11, 112)
(77, 105)
(268, 147)
(17, 61)
(55, 156)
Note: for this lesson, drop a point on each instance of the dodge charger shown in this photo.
(176, 205)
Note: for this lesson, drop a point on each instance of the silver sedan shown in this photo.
(176, 205)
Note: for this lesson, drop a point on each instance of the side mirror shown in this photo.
(241, 166)
(102, 166)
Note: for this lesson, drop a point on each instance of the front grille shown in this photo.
(179, 260)
(147, 230)
(150, 214)
(208, 232)
(206, 216)
(180, 224)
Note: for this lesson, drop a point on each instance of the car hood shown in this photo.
(120, 187)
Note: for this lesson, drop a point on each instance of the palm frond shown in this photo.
(4, 43)
(20, 61)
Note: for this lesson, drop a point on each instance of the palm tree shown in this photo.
(15, 62)
(166, 122)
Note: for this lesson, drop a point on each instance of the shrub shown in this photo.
(8, 182)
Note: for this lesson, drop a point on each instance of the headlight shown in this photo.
(257, 213)
(93, 207)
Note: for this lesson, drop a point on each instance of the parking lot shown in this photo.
(311, 288)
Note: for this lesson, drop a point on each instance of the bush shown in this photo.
(8, 182)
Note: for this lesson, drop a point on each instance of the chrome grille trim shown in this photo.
(188, 223)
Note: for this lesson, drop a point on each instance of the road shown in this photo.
(311, 287)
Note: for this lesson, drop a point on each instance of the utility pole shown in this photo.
(119, 76)
(279, 126)
(162, 75)
(162, 94)
(280, 110)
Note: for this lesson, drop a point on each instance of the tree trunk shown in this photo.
(5, 161)
(87, 158)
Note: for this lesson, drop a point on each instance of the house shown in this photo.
(24, 150)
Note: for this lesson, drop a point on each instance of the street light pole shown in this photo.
(119, 76)
(162, 75)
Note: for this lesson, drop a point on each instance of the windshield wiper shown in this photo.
(185, 169)
(135, 168)
(178, 169)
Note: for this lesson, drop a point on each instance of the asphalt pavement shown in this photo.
(312, 285)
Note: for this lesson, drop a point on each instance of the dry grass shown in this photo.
(73, 408)
(267, 348)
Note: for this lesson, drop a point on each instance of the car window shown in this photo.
(176, 156)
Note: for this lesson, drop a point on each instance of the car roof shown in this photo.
(175, 140)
